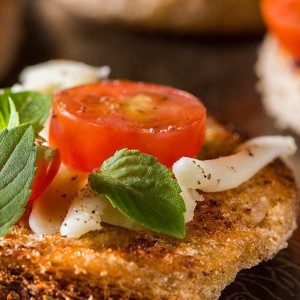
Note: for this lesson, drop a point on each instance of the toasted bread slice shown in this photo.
(231, 230)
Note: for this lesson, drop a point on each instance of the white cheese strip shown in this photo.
(50, 208)
(54, 75)
(229, 172)
(84, 215)
(190, 197)
(88, 210)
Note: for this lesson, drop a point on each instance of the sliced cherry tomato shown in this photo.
(283, 19)
(47, 163)
(90, 122)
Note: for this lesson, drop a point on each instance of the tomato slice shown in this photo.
(90, 122)
(283, 19)
(47, 163)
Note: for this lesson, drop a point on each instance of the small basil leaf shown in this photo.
(4, 112)
(17, 170)
(143, 190)
(13, 116)
(33, 107)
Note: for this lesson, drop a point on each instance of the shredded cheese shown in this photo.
(229, 172)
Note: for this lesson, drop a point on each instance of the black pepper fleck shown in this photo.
(250, 153)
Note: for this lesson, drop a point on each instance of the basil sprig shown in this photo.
(143, 190)
(18, 151)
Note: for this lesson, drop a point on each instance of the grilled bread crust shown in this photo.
(115, 263)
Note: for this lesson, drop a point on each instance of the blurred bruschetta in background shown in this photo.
(193, 16)
(278, 63)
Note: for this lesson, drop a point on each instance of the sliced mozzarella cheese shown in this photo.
(190, 197)
(88, 210)
(229, 172)
(84, 214)
(50, 208)
(55, 75)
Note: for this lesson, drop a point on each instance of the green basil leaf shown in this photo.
(143, 190)
(17, 170)
(13, 116)
(9, 116)
(4, 112)
(33, 107)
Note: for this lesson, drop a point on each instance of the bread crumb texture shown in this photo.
(231, 231)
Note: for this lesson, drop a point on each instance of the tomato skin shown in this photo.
(154, 119)
(47, 164)
(283, 19)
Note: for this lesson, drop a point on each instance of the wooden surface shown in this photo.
(219, 71)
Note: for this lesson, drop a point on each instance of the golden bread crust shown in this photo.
(116, 263)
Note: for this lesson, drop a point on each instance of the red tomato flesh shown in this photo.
(91, 122)
(47, 163)
(283, 19)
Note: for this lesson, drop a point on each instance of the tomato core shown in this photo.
(91, 122)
